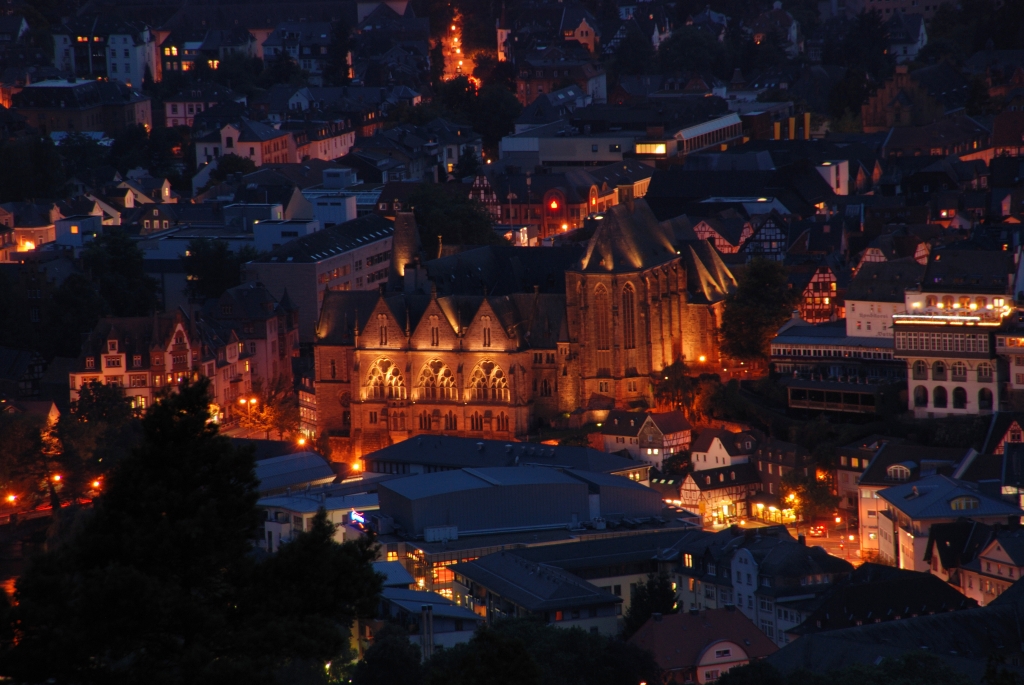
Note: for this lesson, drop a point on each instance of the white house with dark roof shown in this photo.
(715, 448)
(647, 437)
(997, 566)
(912, 508)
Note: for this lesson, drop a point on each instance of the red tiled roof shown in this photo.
(678, 641)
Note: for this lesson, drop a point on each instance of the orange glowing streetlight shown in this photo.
(301, 441)
(11, 498)
(95, 483)
(56, 478)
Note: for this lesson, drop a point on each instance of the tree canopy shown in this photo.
(115, 264)
(655, 596)
(453, 216)
(157, 582)
(762, 302)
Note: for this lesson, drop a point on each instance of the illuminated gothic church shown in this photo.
(488, 342)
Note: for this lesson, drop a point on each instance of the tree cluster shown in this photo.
(512, 652)
(276, 409)
(762, 302)
(157, 583)
(447, 217)
(212, 267)
(114, 283)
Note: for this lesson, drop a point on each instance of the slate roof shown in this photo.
(874, 592)
(533, 586)
(599, 554)
(734, 443)
(714, 479)
(885, 281)
(956, 543)
(395, 575)
(678, 641)
(456, 453)
(413, 602)
(919, 458)
(951, 268)
(293, 470)
(669, 422)
(624, 423)
(963, 640)
(930, 498)
(332, 241)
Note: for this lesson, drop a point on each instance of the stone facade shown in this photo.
(390, 365)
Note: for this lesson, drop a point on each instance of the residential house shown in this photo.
(180, 109)
(952, 545)
(648, 437)
(727, 232)
(770, 238)
(306, 42)
(73, 105)
(912, 508)
(776, 459)
(106, 47)
(907, 36)
(184, 50)
(780, 23)
(700, 647)
(896, 463)
(265, 326)
(715, 448)
(875, 593)
(996, 566)
(720, 494)
(768, 576)
(853, 461)
(537, 76)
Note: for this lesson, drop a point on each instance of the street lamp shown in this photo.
(247, 403)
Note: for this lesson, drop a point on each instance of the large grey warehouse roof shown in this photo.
(442, 450)
(533, 586)
(625, 549)
(443, 482)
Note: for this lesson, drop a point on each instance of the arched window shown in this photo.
(931, 301)
(486, 320)
(488, 383)
(398, 421)
(958, 370)
(628, 318)
(920, 396)
(964, 303)
(981, 302)
(424, 420)
(984, 372)
(939, 371)
(920, 370)
(959, 398)
(435, 332)
(939, 397)
(947, 302)
(437, 382)
(985, 399)
(476, 422)
(384, 381)
(451, 422)
(898, 472)
(382, 326)
(602, 329)
(502, 423)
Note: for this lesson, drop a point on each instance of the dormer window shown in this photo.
(964, 503)
(179, 339)
(137, 361)
(111, 346)
(898, 472)
(90, 362)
